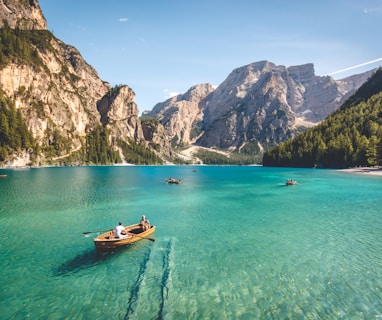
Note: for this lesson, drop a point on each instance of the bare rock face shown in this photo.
(118, 109)
(182, 115)
(57, 91)
(249, 106)
(157, 137)
(313, 98)
(22, 14)
(61, 96)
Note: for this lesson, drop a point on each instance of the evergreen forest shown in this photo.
(14, 134)
(100, 151)
(19, 46)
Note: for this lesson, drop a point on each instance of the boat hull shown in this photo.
(107, 241)
(173, 181)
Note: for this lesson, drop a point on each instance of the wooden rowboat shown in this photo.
(134, 233)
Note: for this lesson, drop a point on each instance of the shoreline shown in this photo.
(375, 171)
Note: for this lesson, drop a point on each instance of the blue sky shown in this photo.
(162, 47)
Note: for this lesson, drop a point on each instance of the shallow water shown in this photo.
(231, 243)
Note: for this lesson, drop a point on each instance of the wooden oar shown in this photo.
(135, 235)
(87, 232)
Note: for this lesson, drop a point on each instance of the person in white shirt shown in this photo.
(119, 231)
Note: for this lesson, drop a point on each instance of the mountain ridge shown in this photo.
(258, 106)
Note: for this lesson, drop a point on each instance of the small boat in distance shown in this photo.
(3, 175)
(291, 182)
(174, 181)
(136, 232)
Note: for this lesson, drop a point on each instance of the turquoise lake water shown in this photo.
(231, 243)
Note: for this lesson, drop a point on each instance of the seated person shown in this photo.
(144, 223)
(119, 231)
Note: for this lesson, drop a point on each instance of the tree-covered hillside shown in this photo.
(352, 136)
(19, 46)
(14, 135)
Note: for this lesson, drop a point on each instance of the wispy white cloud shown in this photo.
(356, 66)
(123, 19)
(169, 94)
(373, 10)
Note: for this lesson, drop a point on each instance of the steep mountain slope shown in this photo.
(61, 97)
(351, 136)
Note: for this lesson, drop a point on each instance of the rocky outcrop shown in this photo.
(157, 138)
(314, 98)
(22, 14)
(119, 110)
(182, 115)
(249, 106)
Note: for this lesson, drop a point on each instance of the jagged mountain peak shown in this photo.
(260, 103)
(302, 73)
(182, 115)
(258, 78)
(193, 95)
(247, 74)
(250, 72)
(197, 92)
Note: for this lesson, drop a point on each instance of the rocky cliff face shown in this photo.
(118, 109)
(58, 93)
(23, 14)
(258, 105)
(182, 115)
(64, 93)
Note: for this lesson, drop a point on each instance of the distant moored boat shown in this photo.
(173, 180)
(291, 182)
